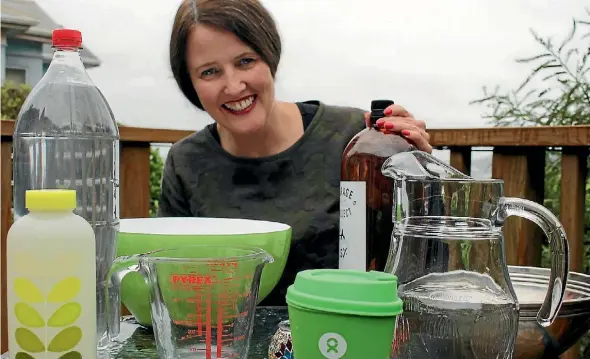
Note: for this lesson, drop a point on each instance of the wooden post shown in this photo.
(523, 172)
(6, 200)
(134, 182)
(461, 159)
(574, 171)
(135, 179)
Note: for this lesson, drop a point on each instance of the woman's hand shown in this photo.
(399, 121)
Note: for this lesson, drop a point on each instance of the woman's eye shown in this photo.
(246, 61)
(208, 72)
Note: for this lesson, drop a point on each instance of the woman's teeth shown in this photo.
(240, 105)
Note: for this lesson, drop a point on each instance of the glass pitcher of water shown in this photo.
(447, 251)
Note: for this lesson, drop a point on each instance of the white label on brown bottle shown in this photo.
(353, 218)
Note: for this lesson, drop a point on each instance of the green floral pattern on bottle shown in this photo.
(22, 355)
(71, 355)
(27, 340)
(64, 317)
(28, 316)
(65, 340)
(28, 291)
(64, 290)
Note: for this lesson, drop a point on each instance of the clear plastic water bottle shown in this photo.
(66, 137)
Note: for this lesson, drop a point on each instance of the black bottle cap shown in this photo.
(377, 108)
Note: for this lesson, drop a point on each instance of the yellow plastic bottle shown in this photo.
(51, 280)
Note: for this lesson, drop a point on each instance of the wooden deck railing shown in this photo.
(518, 159)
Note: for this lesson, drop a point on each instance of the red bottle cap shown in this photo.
(66, 38)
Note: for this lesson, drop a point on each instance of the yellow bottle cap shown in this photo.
(50, 199)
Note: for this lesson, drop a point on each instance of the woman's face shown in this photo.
(234, 85)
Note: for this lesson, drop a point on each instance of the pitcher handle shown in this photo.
(393, 255)
(510, 206)
(120, 268)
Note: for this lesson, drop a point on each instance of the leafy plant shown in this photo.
(13, 98)
(156, 168)
(556, 92)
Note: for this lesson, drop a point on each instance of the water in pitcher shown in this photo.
(456, 315)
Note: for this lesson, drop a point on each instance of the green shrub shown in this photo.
(156, 168)
(13, 97)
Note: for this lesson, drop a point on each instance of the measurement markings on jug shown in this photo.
(215, 300)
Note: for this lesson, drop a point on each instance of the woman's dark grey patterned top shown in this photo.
(299, 187)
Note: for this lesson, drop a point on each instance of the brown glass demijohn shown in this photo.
(366, 195)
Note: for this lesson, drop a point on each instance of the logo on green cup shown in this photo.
(332, 346)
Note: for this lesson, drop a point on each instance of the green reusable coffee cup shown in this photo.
(341, 313)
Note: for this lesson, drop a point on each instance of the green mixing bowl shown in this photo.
(141, 235)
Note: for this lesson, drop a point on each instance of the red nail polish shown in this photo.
(405, 132)
(380, 122)
(389, 125)
(387, 112)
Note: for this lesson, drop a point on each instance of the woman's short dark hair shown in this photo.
(248, 20)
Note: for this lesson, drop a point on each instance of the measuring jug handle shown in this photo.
(120, 268)
(510, 206)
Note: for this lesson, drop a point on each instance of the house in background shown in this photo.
(26, 42)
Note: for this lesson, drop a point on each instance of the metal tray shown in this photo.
(530, 284)
(572, 322)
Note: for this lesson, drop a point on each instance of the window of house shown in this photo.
(17, 76)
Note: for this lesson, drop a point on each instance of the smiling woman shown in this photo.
(248, 21)
(263, 158)
(230, 86)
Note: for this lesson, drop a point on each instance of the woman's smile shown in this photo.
(241, 106)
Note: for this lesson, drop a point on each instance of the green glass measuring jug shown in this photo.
(202, 298)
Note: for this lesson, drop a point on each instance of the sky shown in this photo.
(430, 56)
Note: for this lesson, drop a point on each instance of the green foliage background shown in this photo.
(12, 99)
(156, 167)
